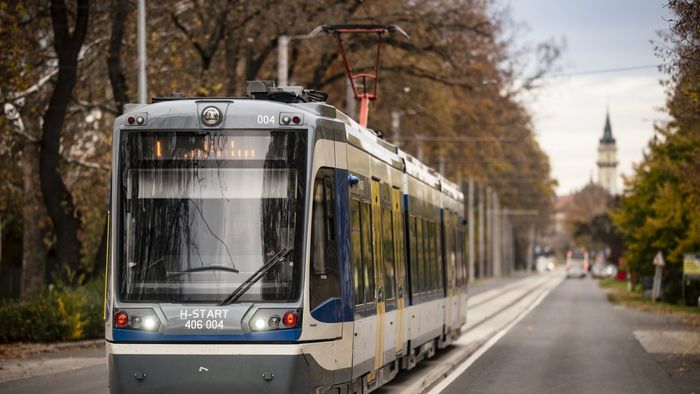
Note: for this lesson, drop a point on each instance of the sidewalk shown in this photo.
(32, 360)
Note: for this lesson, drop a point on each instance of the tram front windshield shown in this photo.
(202, 212)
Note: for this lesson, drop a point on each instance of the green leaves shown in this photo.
(58, 315)
(660, 209)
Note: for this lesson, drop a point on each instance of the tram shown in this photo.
(269, 243)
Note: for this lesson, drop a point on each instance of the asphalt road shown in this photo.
(575, 341)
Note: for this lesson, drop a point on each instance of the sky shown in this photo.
(569, 111)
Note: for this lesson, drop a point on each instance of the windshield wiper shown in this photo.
(205, 268)
(240, 290)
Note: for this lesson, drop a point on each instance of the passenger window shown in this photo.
(427, 284)
(438, 256)
(463, 255)
(421, 260)
(433, 260)
(413, 254)
(388, 252)
(324, 278)
(367, 266)
(357, 273)
(449, 252)
(457, 262)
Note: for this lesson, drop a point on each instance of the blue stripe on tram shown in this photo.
(121, 335)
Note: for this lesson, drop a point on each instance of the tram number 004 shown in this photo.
(266, 119)
(204, 324)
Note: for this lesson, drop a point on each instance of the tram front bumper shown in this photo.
(189, 368)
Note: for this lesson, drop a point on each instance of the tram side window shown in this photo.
(449, 252)
(399, 257)
(429, 270)
(428, 284)
(458, 262)
(463, 256)
(324, 278)
(438, 256)
(367, 266)
(357, 272)
(433, 259)
(388, 252)
(413, 254)
(421, 265)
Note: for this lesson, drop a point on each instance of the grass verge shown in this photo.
(617, 293)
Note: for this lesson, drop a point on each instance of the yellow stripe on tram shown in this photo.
(379, 278)
(400, 273)
(104, 308)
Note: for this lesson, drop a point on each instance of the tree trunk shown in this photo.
(33, 248)
(58, 199)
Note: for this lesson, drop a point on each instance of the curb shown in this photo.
(68, 345)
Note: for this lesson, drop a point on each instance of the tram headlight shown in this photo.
(259, 324)
(149, 323)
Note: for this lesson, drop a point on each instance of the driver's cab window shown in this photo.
(324, 261)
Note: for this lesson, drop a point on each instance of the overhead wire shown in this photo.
(600, 71)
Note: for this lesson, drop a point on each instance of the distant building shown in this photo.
(607, 159)
(560, 206)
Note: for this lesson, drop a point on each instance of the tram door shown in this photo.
(452, 262)
(378, 278)
(400, 269)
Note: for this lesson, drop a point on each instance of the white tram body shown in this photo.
(268, 246)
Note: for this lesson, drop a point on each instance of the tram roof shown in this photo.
(413, 166)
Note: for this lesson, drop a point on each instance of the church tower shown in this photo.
(607, 159)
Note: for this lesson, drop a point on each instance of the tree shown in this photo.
(660, 208)
(23, 94)
(58, 199)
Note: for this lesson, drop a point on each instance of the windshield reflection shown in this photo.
(201, 213)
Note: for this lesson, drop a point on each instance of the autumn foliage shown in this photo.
(457, 83)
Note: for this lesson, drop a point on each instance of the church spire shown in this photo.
(607, 158)
(607, 130)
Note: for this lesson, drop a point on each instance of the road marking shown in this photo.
(486, 346)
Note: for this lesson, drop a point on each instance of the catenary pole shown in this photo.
(141, 31)
(470, 223)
